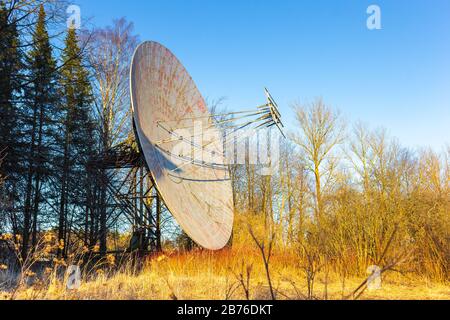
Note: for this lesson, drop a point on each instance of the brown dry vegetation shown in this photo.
(205, 276)
(214, 275)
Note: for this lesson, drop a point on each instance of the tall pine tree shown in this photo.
(76, 141)
(10, 66)
(39, 114)
(10, 94)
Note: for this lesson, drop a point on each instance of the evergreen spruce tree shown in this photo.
(76, 141)
(40, 113)
(10, 90)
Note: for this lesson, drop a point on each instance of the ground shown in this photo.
(206, 275)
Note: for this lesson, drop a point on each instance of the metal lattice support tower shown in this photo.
(131, 195)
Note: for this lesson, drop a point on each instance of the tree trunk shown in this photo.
(27, 207)
(62, 201)
(103, 230)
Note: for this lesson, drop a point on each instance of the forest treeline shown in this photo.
(345, 196)
(64, 101)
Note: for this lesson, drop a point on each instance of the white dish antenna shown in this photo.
(182, 145)
(167, 110)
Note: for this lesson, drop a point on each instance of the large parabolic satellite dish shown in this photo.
(182, 148)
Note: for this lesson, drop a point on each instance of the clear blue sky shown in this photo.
(397, 77)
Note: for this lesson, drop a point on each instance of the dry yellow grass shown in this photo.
(208, 275)
(199, 275)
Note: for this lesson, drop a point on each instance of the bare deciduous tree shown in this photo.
(110, 53)
(321, 130)
(266, 250)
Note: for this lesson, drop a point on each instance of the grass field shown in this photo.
(206, 275)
